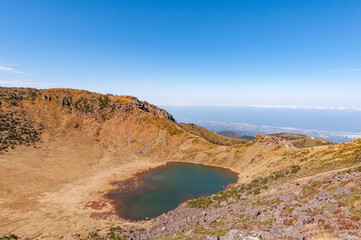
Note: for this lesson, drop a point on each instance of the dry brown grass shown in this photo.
(325, 237)
(211, 136)
(302, 141)
(44, 190)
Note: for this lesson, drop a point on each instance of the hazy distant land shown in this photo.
(334, 125)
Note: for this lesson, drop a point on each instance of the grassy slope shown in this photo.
(211, 136)
(246, 137)
(236, 135)
(122, 141)
(230, 134)
(302, 141)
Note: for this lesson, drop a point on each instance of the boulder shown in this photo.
(235, 234)
(260, 136)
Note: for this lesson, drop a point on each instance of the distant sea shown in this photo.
(334, 125)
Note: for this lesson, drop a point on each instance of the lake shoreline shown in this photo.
(142, 182)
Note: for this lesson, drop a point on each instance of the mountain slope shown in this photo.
(230, 134)
(211, 136)
(282, 209)
(302, 141)
(63, 148)
(233, 134)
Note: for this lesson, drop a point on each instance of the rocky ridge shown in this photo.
(18, 127)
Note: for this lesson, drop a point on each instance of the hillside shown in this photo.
(61, 150)
(302, 141)
(247, 137)
(211, 136)
(230, 134)
(273, 207)
(233, 134)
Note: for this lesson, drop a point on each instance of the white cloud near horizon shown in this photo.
(25, 83)
(341, 108)
(9, 70)
(276, 129)
(347, 70)
(352, 70)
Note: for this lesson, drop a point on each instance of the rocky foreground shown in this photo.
(328, 204)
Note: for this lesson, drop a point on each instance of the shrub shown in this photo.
(104, 101)
(11, 236)
(202, 203)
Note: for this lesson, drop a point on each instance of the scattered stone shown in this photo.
(260, 136)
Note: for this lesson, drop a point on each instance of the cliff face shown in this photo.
(20, 126)
(80, 101)
(101, 107)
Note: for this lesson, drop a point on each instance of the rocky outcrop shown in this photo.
(288, 140)
(274, 141)
(301, 141)
(271, 141)
(156, 111)
(101, 107)
(17, 127)
(260, 136)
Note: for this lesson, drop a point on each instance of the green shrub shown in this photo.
(9, 237)
(104, 101)
(235, 191)
(202, 203)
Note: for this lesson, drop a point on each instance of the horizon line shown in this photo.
(330, 108)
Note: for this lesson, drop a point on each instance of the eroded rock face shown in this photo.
(156, 111)
(101, 107)
(17, 126)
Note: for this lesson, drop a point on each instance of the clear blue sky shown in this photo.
(206, 52)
